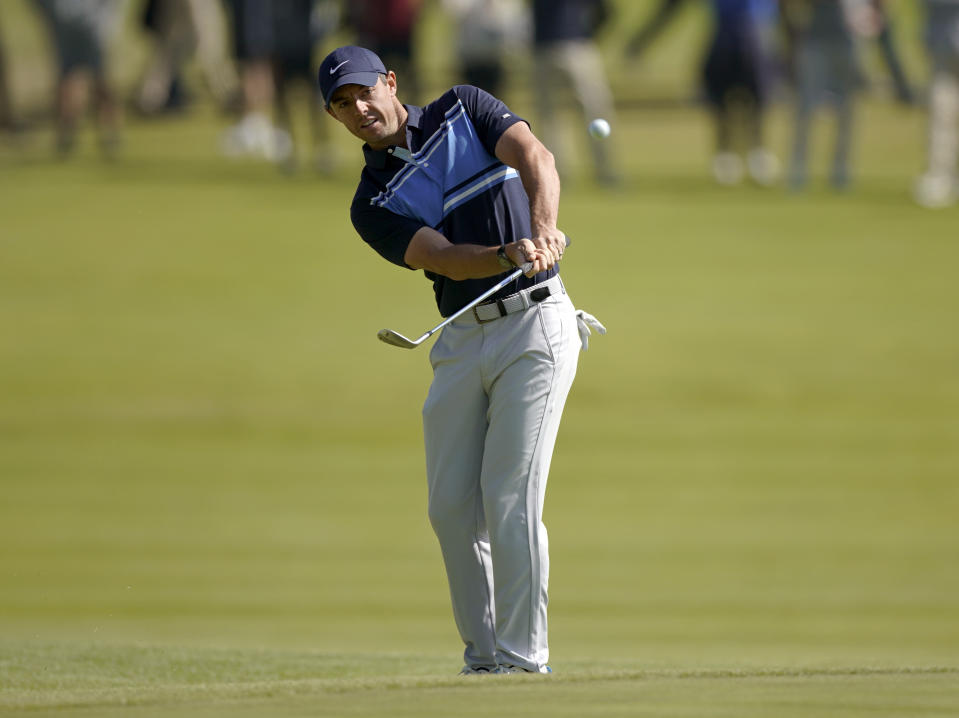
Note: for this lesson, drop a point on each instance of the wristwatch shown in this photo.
(504, 261)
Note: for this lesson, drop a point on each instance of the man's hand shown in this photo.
(542, 251)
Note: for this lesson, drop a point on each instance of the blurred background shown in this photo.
(203, 445)
(761, 71)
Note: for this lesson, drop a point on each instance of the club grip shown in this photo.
(527, 266)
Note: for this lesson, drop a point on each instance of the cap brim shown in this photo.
(367, 79)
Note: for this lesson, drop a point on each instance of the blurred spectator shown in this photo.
(486, 30)
(182, 28)
(305, 23)
(325, 20)
(566, 57)
(8, 121)
(890, 55)
(824, 40)
(254, 44)
(939, 186)
(273, 43)
(81, 32)
(386, 27)
(737, 74)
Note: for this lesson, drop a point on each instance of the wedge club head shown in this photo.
(397, 339)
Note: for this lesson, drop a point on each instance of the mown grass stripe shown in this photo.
(153, 694)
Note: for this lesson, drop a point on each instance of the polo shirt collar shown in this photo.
(376, 159)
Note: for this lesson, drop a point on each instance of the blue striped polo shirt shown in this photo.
(450, 180)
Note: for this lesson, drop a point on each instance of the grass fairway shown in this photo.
(213, 499)
(163, 682)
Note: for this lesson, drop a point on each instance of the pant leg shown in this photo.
(943, 122)
(532, 359)
(839, 175)
(847, 77)
(454, 427)
(548, 82)
(808, 92)
(583, 65)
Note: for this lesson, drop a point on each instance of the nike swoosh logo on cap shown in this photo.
(334, 69)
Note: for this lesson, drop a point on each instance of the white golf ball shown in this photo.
(599, 129)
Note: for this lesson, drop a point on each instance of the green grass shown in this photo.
(213, 499)
(145, 681)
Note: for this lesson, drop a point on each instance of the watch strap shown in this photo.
(504, 260)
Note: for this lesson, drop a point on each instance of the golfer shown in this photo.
(462, 190)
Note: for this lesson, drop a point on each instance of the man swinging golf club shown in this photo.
(462, 189)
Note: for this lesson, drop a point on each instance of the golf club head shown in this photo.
(397, 340)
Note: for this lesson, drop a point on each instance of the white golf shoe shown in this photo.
(936, 190)
(728, 168)
(255, 136)
(517, 669)
(763, 166)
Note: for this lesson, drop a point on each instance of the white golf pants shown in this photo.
(490, 423)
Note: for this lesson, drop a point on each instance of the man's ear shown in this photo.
(391, 82)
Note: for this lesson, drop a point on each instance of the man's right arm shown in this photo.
(431, 251)
(407, 243)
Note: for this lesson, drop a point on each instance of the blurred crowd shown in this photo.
(252, 55)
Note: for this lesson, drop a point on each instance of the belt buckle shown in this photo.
(499, 306)
(540, 294)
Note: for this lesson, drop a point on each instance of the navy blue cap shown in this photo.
(349, 65)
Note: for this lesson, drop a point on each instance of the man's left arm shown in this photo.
(519, 148)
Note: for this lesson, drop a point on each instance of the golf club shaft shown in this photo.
(396, 339)
(511, 277)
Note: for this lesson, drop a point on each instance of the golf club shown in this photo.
(398, 340)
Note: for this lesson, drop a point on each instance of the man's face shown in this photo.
(370, 113)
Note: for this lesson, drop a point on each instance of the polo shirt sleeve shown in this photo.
(491, 117)
(386, 232)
